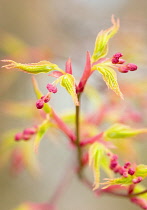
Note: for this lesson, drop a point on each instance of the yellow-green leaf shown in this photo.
(141, 170)
(110, 77)
(105, 164)
(42, 129)
(96, 153)
(33, 68)
(68, 82)
(124, 181)
(120, 131)
(101, 43)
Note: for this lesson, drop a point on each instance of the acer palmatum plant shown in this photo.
(99, 149)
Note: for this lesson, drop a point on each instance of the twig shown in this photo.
(79, 149)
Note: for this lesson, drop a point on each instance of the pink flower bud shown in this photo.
(18, 136)
(122, 170)
(46, 99)
(113, 164)
(115, 60)
(127, 164)
(29, 131)
(117, 55)
(115, 157)
(121, 61)
(131, 171)
(137, 180)
(125, 174)
(39, 104)
(123, 69)
(51, 88)
(26, 137)
(131, 67)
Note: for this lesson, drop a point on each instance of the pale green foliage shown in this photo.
(119, 181)
(97, 153)
(109, 76)
(101, 44)
(120, 131)
(141, 170)
(33, 68)
(42, 129)
(68, 82)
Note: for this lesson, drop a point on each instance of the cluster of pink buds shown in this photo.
(116, 58)
(45, 99)
(119, 63)
(26, 134)
(124, 170)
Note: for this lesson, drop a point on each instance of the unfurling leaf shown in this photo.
(120, 131)
(42, 129)
(101, 44)
(96, 153)
(68, 82)
(141, 170)
(33, 68)
(110, 77)
(38, 93)
(123, 181)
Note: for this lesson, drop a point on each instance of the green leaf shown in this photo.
(120, 131)
(105, 164)
(38, 93)
(109, 76)
(101, 43)
(141, 170)
(96, 152)
(119, 181)
(42, 129)
(68, 82)
(33, 68)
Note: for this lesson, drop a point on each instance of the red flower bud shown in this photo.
(121, 61)
(115, 60)
(51, 88)
(46, 99)
(131, 67)
(127, 164)
(123, 69)
(39, 104)
(29, 131)
(117, 55)
(26, 137)
(18, 136)
(137, 180)
(125, 174)
(131, 171)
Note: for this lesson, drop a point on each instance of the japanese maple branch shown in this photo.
(79, 149)
(139, 193)
(101, 191)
